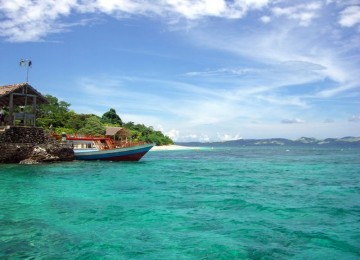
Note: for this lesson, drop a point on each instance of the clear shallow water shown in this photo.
(223, 203)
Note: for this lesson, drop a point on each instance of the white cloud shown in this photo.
(205, 111)
(330, 92)
(293, 121)
(111, 6)
(193, 137)
(30, 20)
(304, 13)
(228, 137)
(200, 114)
(256, 3)
(289, 64)
(173, 134)
(265, 19)
(283, 100)
(288, 56)
(355, 118)
(197, 9)
(350, 16)
(221, 72)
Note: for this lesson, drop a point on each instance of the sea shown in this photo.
(278, 202)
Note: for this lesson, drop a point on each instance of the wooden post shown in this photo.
(34, 110)
(11, 109)
(25, 119)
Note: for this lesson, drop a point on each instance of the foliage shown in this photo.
(54, 114)
(60, 130)
(112, 118)
(93, 126)
(77, 121)
(57, 117)
(140, 132)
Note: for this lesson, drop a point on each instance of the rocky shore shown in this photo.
(31, 145)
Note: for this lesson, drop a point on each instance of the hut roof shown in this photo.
(19, 100)
(113, 130)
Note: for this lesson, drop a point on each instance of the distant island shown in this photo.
(303, 141)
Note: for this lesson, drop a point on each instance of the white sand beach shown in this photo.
(172, 148)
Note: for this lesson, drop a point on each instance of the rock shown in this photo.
(51, 153)
(65, 153)
(41, 154)
(28, 161)
(31, 145)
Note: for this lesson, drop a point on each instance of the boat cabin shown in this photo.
(89, 142)
(115, 137)
(119, 135)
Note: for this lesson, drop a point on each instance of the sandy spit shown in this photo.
(172, 148)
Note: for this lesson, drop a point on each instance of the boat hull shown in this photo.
(134, 153)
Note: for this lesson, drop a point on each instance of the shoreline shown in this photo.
(172, 147)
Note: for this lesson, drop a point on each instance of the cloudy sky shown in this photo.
(199, 70)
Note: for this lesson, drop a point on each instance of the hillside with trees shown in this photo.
(57, 116)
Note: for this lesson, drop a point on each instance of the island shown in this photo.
(32, 121)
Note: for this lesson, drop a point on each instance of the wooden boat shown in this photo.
(105, 148)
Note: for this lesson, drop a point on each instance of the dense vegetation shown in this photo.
(57, 116)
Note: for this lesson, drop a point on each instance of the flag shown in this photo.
(25, 63)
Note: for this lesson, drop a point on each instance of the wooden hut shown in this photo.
(114, 131)
(119, 134)
(21, 100)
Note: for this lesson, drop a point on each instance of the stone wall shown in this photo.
(31, 144)
(23, 135)
(14, 153)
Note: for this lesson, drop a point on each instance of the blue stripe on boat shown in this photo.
(97, 155)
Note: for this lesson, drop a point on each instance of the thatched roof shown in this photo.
(18, 100)
(112, 130)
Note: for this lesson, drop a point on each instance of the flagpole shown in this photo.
(27, 74)
(27, 63)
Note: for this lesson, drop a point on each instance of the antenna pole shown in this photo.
(27, 63)
(27, 74)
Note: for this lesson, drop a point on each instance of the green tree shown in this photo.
(129, 125)
(111, 117)
(77, 121)
(58, 115)
(140, 132)
(54, 114)
(93, 126)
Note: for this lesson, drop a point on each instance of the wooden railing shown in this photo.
(24, 118)
(124, 144)
(99, 141)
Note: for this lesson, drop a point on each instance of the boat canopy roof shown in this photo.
(119, 131)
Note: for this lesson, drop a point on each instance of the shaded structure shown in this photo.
(21, 100)
(117, 133)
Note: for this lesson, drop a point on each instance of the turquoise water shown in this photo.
(222, 203)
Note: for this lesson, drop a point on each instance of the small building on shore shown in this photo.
(20, 101)
(20, 140)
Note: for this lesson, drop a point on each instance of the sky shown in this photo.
(198, 70)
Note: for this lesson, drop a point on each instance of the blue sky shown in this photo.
(200, 70)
